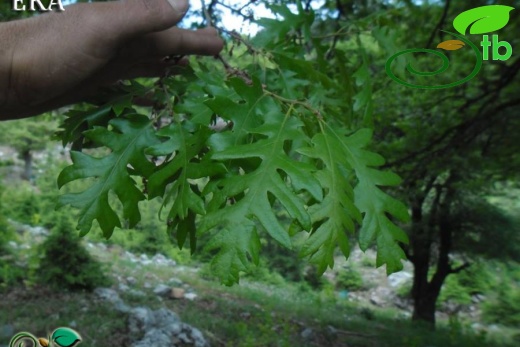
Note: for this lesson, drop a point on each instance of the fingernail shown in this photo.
(180, 6)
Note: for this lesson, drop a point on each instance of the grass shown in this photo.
(40, 311)
(251, 314)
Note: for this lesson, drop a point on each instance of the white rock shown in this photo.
(399, 278)
(190, 296)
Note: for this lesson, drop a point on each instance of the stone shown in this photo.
(245, 315)
(398, 279)
(162, 290)
(159, 328)
(38, 231)
(477, 298)
(175, 282)
(177, 293)
(121, 307)
(131, 280)
(136, 292)
(110, 295)
(141, 320)
(107, 294)
(163, 328)
(190, 296)
(331, 330)
(307, 333)
(122, 287)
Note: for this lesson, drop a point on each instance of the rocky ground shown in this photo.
(162, 327)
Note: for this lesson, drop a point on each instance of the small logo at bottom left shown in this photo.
(61, 337)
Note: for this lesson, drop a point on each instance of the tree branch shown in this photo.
(460, 268)
(440, 24)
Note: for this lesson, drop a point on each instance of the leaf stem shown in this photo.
(292, 102)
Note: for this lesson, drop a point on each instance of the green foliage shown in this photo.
(24, 203)
(502, 303)
(313, 278)
(284, 144)
(65, 264)
(349, 278)
(477, 279)
(367, 261)
(285, 263)
(263, 274)
(505, 307)
(28, 134)
(455, 292)
(127, 140)
(10, 272)
(405, 290)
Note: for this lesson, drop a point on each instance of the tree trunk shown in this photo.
(27, 158)
(424, 306)
(426, 292)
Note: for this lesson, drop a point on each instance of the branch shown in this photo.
(239, 38)
(239, 11)
(440, 24)
(429, 151)
(460, 268)
(207, 15)
(330, 51)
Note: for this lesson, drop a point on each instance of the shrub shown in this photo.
(350, 279)
(404, 291)
(24, 203)
(454, 291)
(505, 308)
(10, 273)
(284, 261)
(263, 274)
(65, 263)
(476, 279)
(312, 278)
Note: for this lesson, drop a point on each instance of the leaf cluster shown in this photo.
(222, 147)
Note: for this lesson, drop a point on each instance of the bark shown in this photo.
(426, 292)
(28, 165)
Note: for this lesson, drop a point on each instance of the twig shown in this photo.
(441, 22)
(237, 37)
(306, 105)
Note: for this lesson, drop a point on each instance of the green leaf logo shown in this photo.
(65, 337)
(482, 20)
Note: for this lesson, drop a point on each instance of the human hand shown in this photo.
(60, 58)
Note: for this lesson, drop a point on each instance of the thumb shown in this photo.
(126, 19)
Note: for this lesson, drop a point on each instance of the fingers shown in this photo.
(173, 41)
(111, 24)
(130, 18)
(157, 69)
